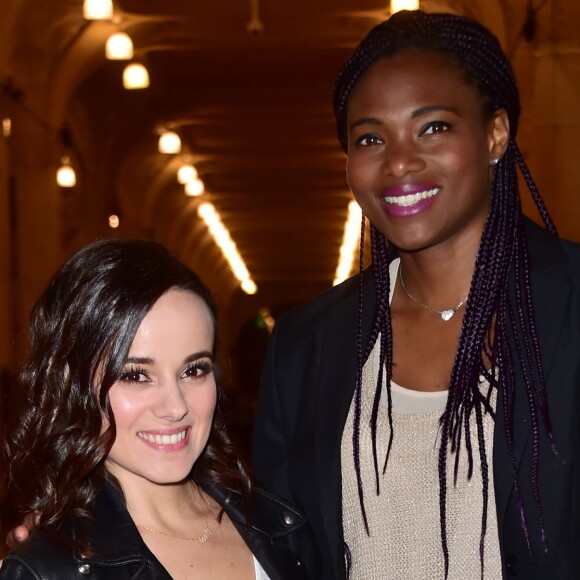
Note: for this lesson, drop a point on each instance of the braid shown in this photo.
(485, 480)
(534, 190)
(498, 338)
(382, 325)
(358, 387)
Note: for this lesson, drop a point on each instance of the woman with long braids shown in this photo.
(425, 414)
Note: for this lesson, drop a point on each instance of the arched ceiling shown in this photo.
(247, 84)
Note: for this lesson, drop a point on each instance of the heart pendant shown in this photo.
(447, 314)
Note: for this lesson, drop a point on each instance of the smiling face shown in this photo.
(419, 151)
(164, 401)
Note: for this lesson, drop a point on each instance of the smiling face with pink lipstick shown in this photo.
(419, 150)
(164, 400)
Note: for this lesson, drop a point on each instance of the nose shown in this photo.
(171, 404)
(402, 158)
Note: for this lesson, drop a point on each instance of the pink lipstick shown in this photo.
(410, 199)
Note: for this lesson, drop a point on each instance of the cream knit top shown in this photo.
(404, 521)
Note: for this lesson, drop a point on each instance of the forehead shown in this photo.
(179, 318)
(415, 78)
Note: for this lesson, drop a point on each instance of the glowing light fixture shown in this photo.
(194, 188)
(98, 9)
(349, 243)
(114, 221)
(398, 5)
(66, 176)
(135, 76)
(249, 286)
(222, 238)
(186, 173)
(6, 126)
(119, 47)
(265, 319)
(169, 142)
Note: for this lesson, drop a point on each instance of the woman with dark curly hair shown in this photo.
(121, 446)
(425, 413)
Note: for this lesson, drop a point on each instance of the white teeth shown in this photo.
(163, 439)
(407, 200)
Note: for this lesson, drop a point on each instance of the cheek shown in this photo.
(126, 408)
(211, 401)
(470, 166)
(359, 175)
(470, 152)
(203, 402)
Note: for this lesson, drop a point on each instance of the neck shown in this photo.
(440, 276)
(161, 505)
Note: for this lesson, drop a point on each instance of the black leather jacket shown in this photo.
(278, 536)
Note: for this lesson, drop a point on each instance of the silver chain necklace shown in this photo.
(445, 315)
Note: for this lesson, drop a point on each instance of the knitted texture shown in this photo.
(405, 534)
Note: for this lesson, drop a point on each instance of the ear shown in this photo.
(499, 135)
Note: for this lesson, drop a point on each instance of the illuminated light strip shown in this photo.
(398, 5)
(221, 235)
(350, 241)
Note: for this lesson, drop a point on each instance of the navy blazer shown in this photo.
(277, 535)
(307, 388)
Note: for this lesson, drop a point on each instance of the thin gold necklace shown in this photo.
(445, 315)
(205, 536)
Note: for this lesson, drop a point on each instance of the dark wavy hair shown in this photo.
(498, 332)
(81, 330)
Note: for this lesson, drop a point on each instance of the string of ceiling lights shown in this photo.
(119, 46)
(350, 241)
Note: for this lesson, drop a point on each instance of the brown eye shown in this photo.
(368, 140)
(436, 127)
(134, 375)
(198, 370)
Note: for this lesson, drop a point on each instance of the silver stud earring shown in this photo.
(494, 161)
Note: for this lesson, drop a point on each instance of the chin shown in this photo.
(167, 477)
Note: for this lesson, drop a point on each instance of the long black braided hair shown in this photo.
(497, 332)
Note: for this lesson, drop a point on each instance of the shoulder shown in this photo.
(14, 569)
(323, 304)
(549, 252)
(267, 513)
(554, 276)
(342, 299)
(117, 548)
(275, 531)
(41, 557)
(274, 516)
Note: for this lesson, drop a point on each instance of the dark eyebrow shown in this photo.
(145, 360)
(198, 355)
(414, 114)
(431, 109)
(364, 121)
(140, 360)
